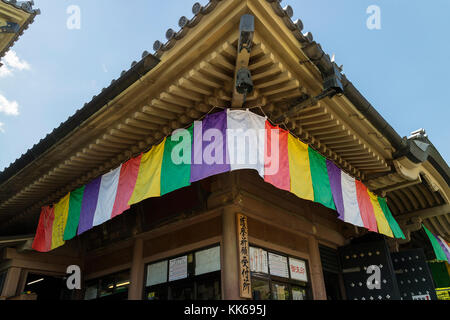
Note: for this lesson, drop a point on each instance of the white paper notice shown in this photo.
(178, 268)
(258, 260)
(157, 273)
(278, 265)
(207, 261)
(298, 269)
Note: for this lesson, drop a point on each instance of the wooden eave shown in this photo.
(195, 74)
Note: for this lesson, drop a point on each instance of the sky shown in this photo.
(402, 67)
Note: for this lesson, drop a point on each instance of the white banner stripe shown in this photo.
(351, 206)
(107, 196)
(246, 140)
(445, 244)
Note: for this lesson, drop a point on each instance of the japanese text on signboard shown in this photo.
(244, 257)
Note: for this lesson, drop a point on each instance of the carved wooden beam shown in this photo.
(426, 213)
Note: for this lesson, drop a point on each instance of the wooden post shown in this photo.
(246, 29)
(137, 271)
(318, 283)
(230, 256)
(11, 282)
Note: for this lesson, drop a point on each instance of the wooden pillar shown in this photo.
(11, 282)
(318, 283)
(230, 256)
(137, 271)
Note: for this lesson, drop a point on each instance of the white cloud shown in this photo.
(10, 108)
(11, 59)
(5, 71)
(11, 62)
(1, 128)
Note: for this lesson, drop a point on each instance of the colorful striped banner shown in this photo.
(246, 141)
(299, 169)
(210, 156)
(127, 181)
(148, 184)
(380, 215)
(320, 179)
(397, 231)
(368, 213)
(276, 158)
(440, 249)
(43, 238)
(352, 212)
(73, 219)
(334, 176)
(223, 142)
(89, 205)
(59, 224)
(445, 247)
(106, 197)
(177, 175)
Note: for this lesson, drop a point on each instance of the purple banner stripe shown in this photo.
(334, 173)
(209, 149)
(89, 205)
(444, 248)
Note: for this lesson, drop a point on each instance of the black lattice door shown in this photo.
(355, 261)
(413, 275)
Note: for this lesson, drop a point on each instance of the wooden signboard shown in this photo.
(244, 257)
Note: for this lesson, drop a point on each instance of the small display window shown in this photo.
(192, 276)
(276, 276)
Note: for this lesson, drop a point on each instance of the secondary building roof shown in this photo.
(15, 17)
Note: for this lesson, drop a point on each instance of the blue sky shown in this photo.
(402, 69)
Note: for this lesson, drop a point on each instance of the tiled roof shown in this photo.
(312, 49)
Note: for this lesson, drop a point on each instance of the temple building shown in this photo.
(350, 196)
